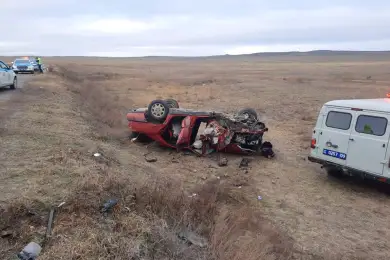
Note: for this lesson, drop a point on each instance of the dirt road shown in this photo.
(6, 93)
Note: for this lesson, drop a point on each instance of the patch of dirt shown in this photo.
(65, 131)
(301, 215)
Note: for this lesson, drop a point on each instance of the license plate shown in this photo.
(335, 154)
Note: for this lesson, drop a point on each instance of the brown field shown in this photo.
(52, 126)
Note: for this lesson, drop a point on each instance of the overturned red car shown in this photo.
(201, 132)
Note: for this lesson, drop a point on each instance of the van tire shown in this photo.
(334, 172)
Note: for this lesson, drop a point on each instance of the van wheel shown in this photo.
(334, 172)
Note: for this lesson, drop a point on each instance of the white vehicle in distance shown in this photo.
(23, 65)
(7, 76)
(352, 137)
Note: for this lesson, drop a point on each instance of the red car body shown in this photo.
(225, 129)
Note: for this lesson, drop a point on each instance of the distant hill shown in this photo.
(318, 53)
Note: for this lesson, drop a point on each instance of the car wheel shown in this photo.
(248, 113)
(14, 84)
(158, 110)
(172, 103)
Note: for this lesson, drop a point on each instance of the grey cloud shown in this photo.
(193, 28)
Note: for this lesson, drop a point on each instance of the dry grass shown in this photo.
(303, 215)
(152, 209)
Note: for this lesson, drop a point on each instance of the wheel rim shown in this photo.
(246, 115)
(15, 82)
(158, 110)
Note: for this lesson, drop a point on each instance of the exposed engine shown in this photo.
(248, 140)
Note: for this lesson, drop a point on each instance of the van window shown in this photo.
(339, 120)
(371, 125)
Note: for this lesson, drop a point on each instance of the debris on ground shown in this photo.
(109, 205)
(151, 159)
(97, 154)
(192, 238)
(50, 224)
(244, 163)
(267, 150)
(30, 252)
(222, 162)
(259, 197)
(6, 233)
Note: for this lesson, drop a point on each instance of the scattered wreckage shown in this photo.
(170, 126)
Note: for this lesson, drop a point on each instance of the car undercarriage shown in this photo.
(200, 132)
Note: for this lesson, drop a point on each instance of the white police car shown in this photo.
(353, 137)
(23, 66)
(7, 76)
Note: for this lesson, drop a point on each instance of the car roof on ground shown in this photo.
(182, 111)
(379, 104)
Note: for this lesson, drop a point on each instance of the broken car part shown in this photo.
(109, 205)
(244, 163)
(49, 224)
(30, 252)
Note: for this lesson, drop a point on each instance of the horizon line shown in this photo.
(205, 56)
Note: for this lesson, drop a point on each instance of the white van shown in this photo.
(352, 136)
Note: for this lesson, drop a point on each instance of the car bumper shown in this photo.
(16, 70)
(351, 171)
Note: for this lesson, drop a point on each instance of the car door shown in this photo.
(368, 142)
(334, 135)
(185, 132)
(3, 75)
(8, 75)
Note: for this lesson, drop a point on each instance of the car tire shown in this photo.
(172, 103)
(250, 112)
(14, 84)
(158, 110)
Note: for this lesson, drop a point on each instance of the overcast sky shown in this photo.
(190, 28)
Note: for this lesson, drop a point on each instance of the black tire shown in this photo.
(334, 172)
(172, 103)
(158, 110)
(14, 84)
(248, 111)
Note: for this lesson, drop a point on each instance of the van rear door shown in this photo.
(368, 142)
(335, 134)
